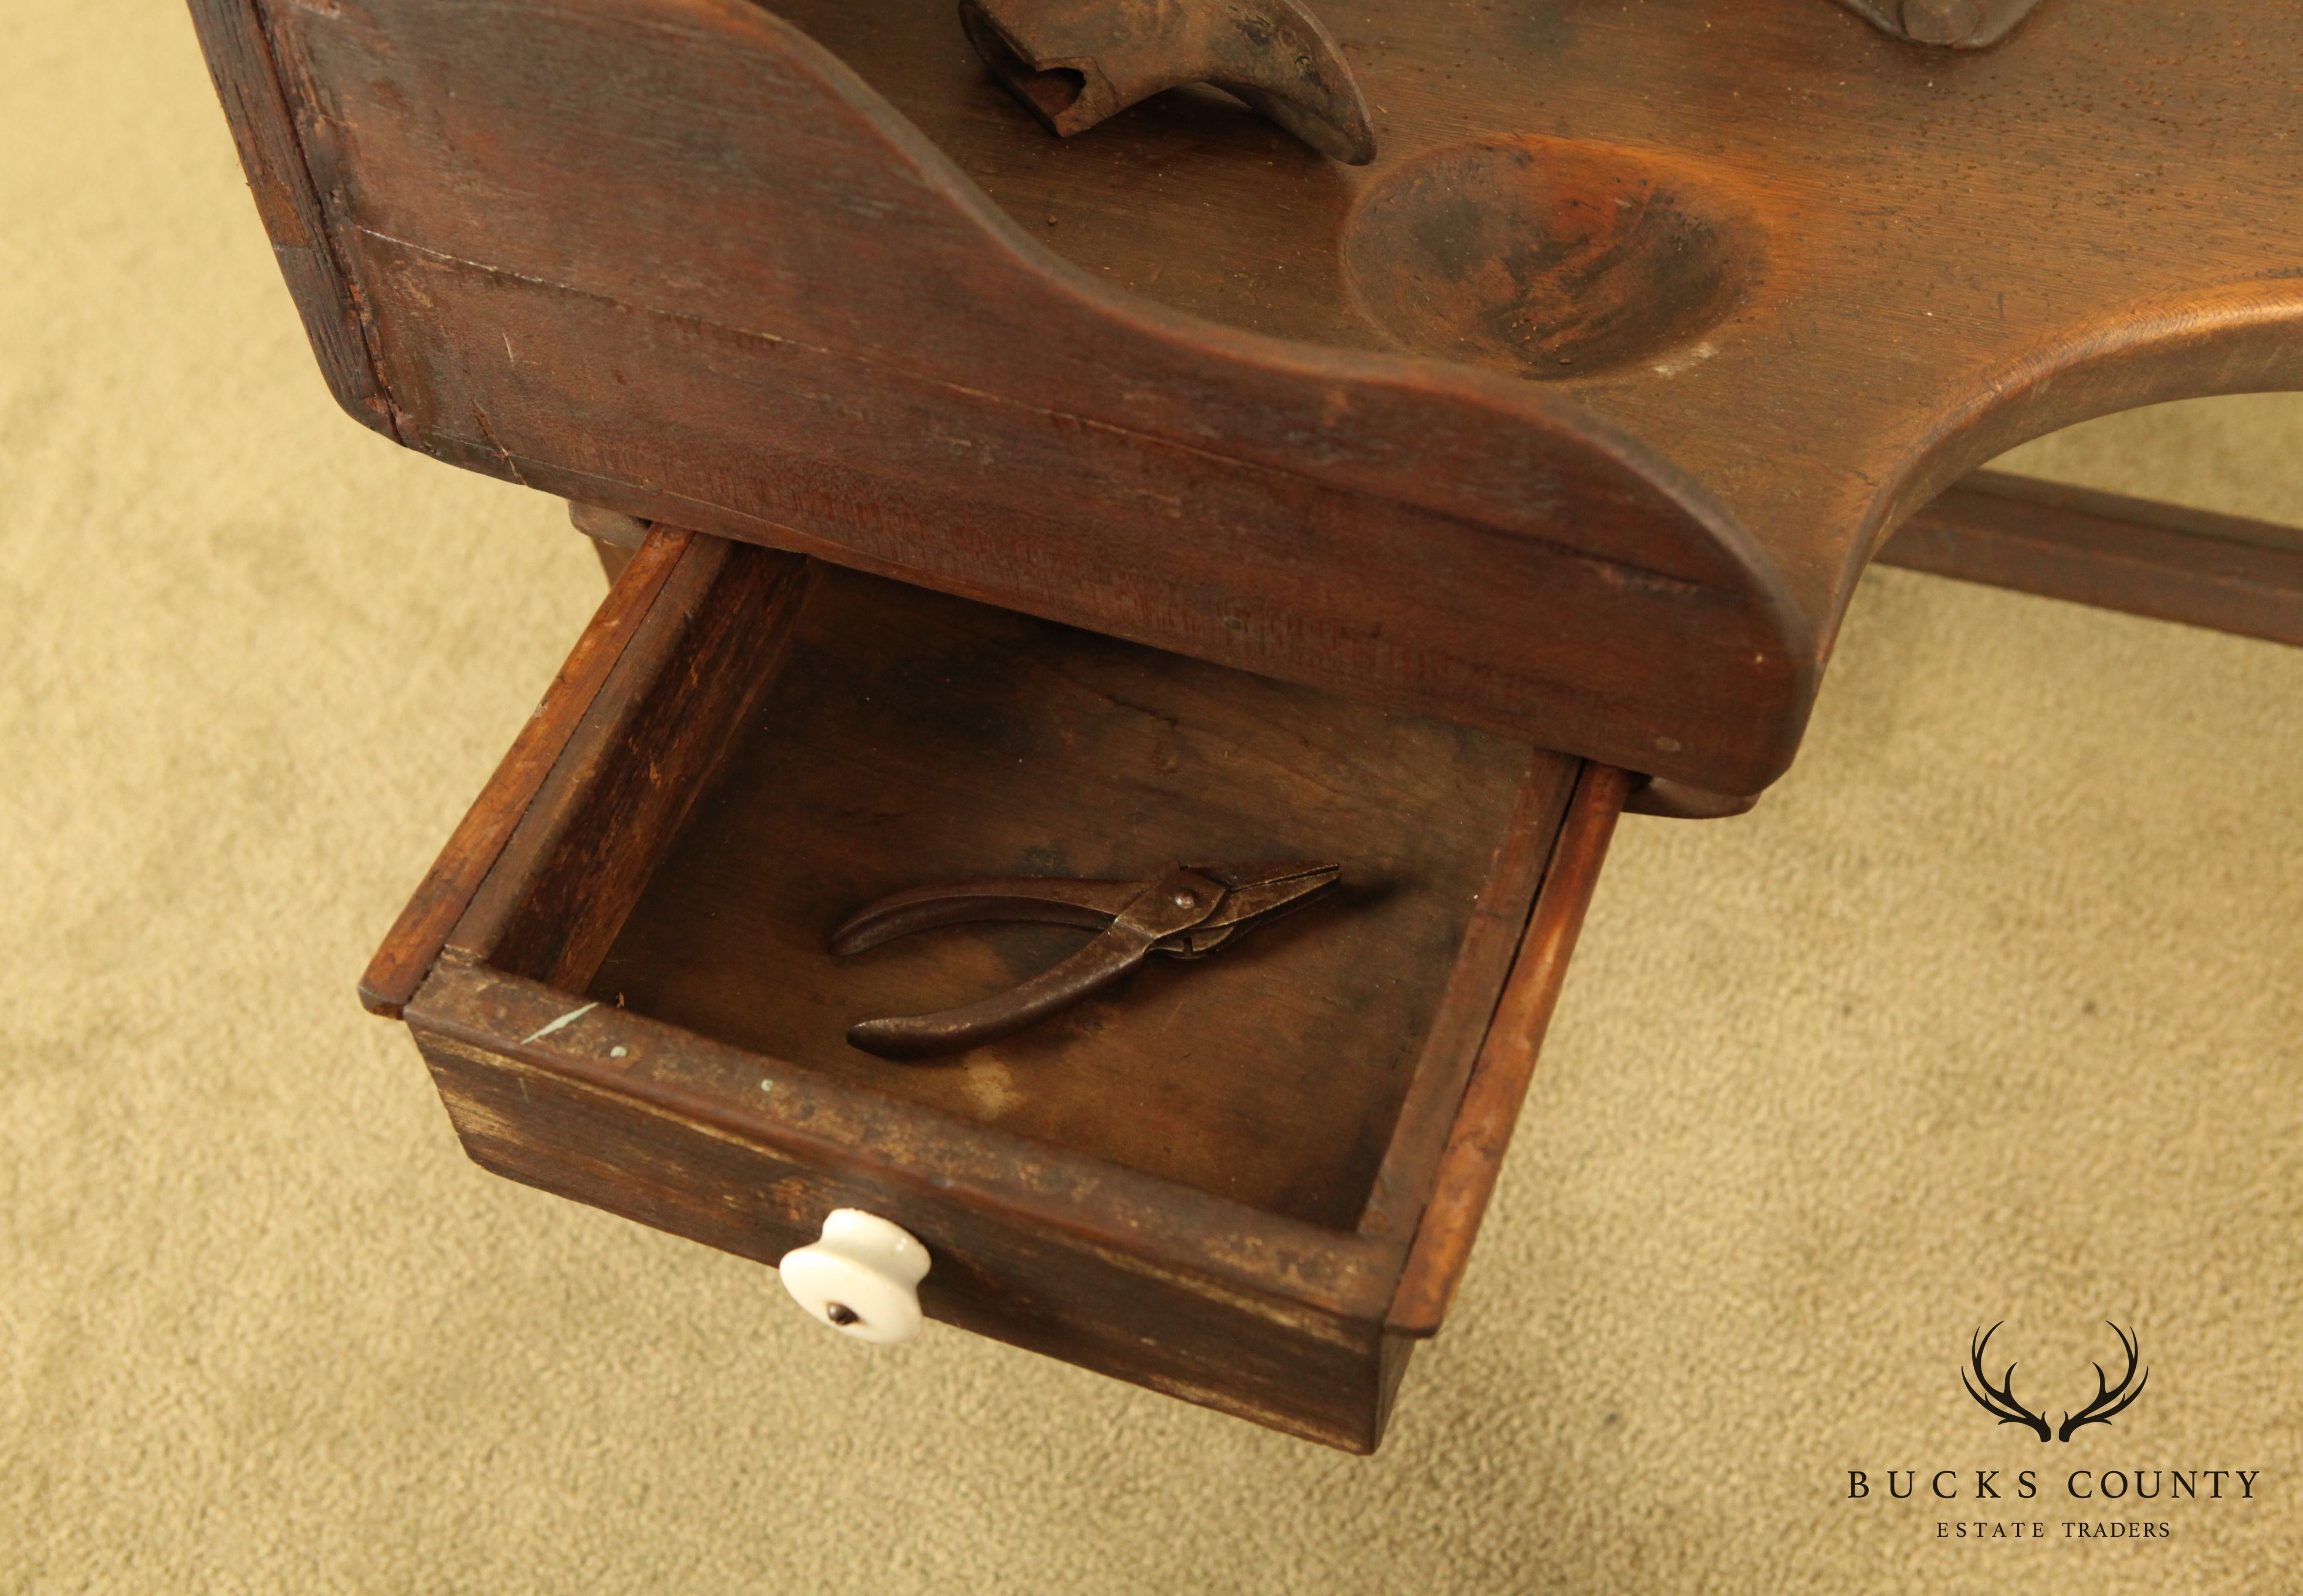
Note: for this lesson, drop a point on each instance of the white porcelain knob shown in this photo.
(862, 1278)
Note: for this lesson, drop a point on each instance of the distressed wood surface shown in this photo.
(911, 739)
(1492, 949)
(647, 748)
(671, 257)
(247, 81)
(638, 1007)
(1484, 1121)
(1926, 255)
(1576, 414)
(416, 937)
(1029, 1245)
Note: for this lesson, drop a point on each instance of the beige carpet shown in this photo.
(1991, 1011)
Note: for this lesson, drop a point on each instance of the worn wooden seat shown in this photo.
(813, 279)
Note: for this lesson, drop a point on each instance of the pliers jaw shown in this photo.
(1188, 913)
(1252, 896)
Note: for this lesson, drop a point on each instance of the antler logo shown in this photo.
(2000, 1401)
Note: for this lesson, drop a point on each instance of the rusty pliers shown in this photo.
(1188, 913)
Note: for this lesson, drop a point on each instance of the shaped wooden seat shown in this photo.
(813, 279)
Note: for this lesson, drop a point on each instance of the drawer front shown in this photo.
(1316, 1374)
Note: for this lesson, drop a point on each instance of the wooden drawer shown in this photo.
(1250, 1182)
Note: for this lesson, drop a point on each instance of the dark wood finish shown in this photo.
(645, 751)
(1954, 251)
(247, 80)
(2163, 560)
(422, 929)
(614, 559)
(1489, 1110)
(1490, 946)
(911, 739)
(671, 257)
(1208, 1181)
(1167, 1227)
(1933, 255)
(1570, 423)
(1114, 1272)
(1400, 430)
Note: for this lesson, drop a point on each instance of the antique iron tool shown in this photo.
(1188, 913)
(1074, 63)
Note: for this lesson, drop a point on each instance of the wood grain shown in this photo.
(1489, 1111)
(2226, 573)
(1490, 951)
(816, 281)
(416, 937)
(911, 739)
(1207, 1181)
(671, 257)
(1954, 251)
(1029, 1246)
(247, 80)
(649, 746)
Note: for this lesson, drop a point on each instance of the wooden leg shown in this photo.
(2163, 560)
(612, 560)
(615, 536)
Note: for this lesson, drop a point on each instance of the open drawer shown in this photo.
(1250, 1182)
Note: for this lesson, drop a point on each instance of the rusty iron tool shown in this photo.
(1074, 63)
(1188, 913)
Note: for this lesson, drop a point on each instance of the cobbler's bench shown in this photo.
(998, 504)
